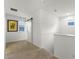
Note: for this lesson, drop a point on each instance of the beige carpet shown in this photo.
(25, 50)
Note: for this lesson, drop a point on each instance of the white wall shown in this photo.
(44, 27)
(64, 39)
(64, 28)
(15, 36)
(49, 25)
(64, 46)
(36, 29)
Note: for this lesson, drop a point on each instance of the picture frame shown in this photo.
(71, 23)
(12, 25)
(21, 28)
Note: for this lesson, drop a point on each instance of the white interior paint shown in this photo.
(48, 27)
(31, 6)
(45, 26)
(64, 28)
(45, 23)
(25, 7)
(64, 46)
(15, 36)
(29, 30)
(64, 39)
(36, 29)
(62, 6)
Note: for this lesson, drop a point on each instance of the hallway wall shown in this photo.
(15, 36)
(49, 26)
(64, 39)
(64, 28)
(64, 46)
(45, 26)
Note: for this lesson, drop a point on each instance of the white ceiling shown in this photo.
(31, 6)
(63, 7)
(23, 6)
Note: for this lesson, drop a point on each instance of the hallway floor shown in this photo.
(25, 50)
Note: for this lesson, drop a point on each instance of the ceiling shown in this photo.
(62, 7)
(58, 7)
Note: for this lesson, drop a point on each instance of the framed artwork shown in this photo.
(12, 25)
(21, 25)
(21, 28)
(71, 23)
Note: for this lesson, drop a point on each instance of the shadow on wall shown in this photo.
(48, 27)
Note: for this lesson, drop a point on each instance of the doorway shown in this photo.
(29, 30)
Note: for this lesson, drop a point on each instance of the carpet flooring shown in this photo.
(25, 50)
